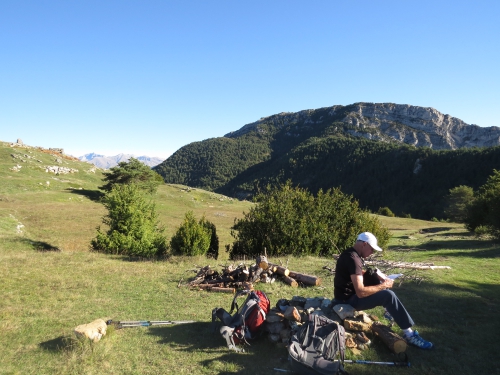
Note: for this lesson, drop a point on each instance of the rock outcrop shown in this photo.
(418, 126)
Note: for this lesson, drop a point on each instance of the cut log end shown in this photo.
(394, 342)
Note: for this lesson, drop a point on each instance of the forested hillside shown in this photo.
(325, 148)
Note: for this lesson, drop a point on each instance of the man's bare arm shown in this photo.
(365, 291)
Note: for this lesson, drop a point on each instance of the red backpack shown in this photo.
(248, 320)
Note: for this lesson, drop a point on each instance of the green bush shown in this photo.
(385, 211)
(193, 237)
(290, 220)
(133, 226)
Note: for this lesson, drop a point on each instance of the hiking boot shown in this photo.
(418, 341)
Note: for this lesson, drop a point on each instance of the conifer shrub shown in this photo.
(195, 237)
(457, 203)
(290, 220)
(483, 213)
(133, 226)
(134, 172)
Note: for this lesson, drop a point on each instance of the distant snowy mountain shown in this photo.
(107, 162)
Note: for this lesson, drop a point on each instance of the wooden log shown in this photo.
(290, 281)
(282, 271)
(394, 342)
(305, 279)
(396, 264)
(223, 290)
(212, 288)
(356, 325)
(208, 286)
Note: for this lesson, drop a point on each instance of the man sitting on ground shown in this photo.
(349, 288)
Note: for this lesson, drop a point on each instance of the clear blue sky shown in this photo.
(148, 77)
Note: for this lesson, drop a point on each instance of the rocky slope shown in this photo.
(418, 126)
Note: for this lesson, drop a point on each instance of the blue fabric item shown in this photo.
(388, 299)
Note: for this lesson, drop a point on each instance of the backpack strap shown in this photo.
(234, 304)
(227, 333)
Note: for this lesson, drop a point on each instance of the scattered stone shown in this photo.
(16, 168)
(313, 302)
(344, 311)
(274, 316)
(93, 331)
(356, 325)
(60, 170)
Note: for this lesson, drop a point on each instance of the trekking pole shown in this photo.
(403, 363)
(145, 323)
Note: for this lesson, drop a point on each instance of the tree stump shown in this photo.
(262, 262)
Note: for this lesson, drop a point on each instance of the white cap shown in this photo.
(370, 238)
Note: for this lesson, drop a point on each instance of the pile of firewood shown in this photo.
(243, 276)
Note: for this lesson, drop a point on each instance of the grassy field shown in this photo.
(50, 283)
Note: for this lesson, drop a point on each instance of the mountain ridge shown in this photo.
(404, 123)
(106, 162)
(384, 154)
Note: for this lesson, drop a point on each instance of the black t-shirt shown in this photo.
(349, 263)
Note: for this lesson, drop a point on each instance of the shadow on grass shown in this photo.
(93, 195)
(461, 321)
(40, 246)
(259, 358)
(435, 230)
(59, 344)
(473, 247)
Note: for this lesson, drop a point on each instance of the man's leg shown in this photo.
(388, 299)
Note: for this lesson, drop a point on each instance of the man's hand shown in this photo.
(388, 283)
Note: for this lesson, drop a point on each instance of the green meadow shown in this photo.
(50, 282)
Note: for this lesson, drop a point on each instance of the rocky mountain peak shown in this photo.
(418, 126)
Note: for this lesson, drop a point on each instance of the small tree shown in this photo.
(484, 211)
(133, 228)
(213, 249)
(193, 237)
(457, 203)
(134, 172)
